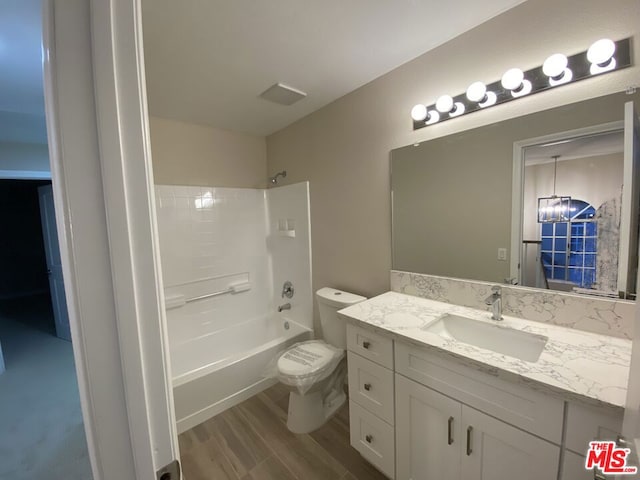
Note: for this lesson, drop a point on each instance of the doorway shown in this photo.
(43, 431)
(572, 204)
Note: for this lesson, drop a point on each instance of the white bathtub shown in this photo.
(219, 370)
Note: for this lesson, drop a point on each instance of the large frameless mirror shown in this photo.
(545, 200)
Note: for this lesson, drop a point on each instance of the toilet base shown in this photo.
(309, 412)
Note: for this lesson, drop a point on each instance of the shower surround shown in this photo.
(211, 239)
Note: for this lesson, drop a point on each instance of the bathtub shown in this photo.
(217, 371)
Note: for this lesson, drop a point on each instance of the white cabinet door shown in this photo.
(494, 450)
(573, 467)
(428, 433)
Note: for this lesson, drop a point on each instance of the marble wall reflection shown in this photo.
(608, 218)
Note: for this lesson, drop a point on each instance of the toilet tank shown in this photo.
(330, 300)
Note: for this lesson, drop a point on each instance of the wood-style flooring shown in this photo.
(251, 442)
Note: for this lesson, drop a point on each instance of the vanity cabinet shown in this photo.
(585, 424)
(371, 397)
(417, 414)
(440, 438)
(573, 468)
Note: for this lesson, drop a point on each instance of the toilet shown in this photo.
(315, 371)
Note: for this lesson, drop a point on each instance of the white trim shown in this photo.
(628, 187)
(517, 191)
(101, 176)
(61, 201)
(25, 175)
(120, 92)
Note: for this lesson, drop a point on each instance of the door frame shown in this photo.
(24, 175)
(54, 267)
(102, 179)
(517, 182)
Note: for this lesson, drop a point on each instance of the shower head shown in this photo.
(274, 179)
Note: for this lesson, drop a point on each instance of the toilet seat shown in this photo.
(308, 362)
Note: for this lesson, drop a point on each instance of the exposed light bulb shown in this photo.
(457, 110)
(513, 79)
(433, 117)
(477, 92)
(601, 52)
(445, 104)
(419, 112)
(555, 65)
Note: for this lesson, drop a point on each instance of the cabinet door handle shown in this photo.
(366, 345)
(450, 431)
(469, 432)
(368, 438)
(367, 386)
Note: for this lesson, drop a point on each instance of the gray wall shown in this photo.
(31, 157)
(343, 149)
(190, 154)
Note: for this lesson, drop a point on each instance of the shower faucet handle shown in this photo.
(287, 289)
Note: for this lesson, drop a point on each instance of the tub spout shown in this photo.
(286, 306)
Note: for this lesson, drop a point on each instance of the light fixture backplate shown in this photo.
(578, 64)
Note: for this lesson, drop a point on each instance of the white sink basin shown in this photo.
(514, 343)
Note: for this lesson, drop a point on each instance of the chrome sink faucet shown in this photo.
(495, 300)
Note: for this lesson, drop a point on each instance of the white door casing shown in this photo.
(631, 422)
(628, 256)
(517, 184)
(127, 175)
(102, 177)
(54, 262)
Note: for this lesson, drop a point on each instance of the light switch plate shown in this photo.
(502, 254)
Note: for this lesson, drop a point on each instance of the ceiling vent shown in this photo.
(282, 94)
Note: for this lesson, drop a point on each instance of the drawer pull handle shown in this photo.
(469, 432)
(366, 345)
(450, 431)
(369, 438)
(367, 386)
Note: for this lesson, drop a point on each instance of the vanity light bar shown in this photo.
(603, 56)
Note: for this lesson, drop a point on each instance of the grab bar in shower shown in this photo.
(236, 288)
(208, 295)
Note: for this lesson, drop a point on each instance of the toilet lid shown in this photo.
(306, 359)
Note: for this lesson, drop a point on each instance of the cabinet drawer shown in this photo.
(520, 406)
(373, 438)
(585, 424)
(371, 386)
(370, 345)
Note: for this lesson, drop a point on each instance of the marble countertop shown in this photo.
(577, 365)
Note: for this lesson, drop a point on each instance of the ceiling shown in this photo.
(581, 147)
(207, 62)
(21, 87)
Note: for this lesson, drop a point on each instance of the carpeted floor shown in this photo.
(41, 430)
